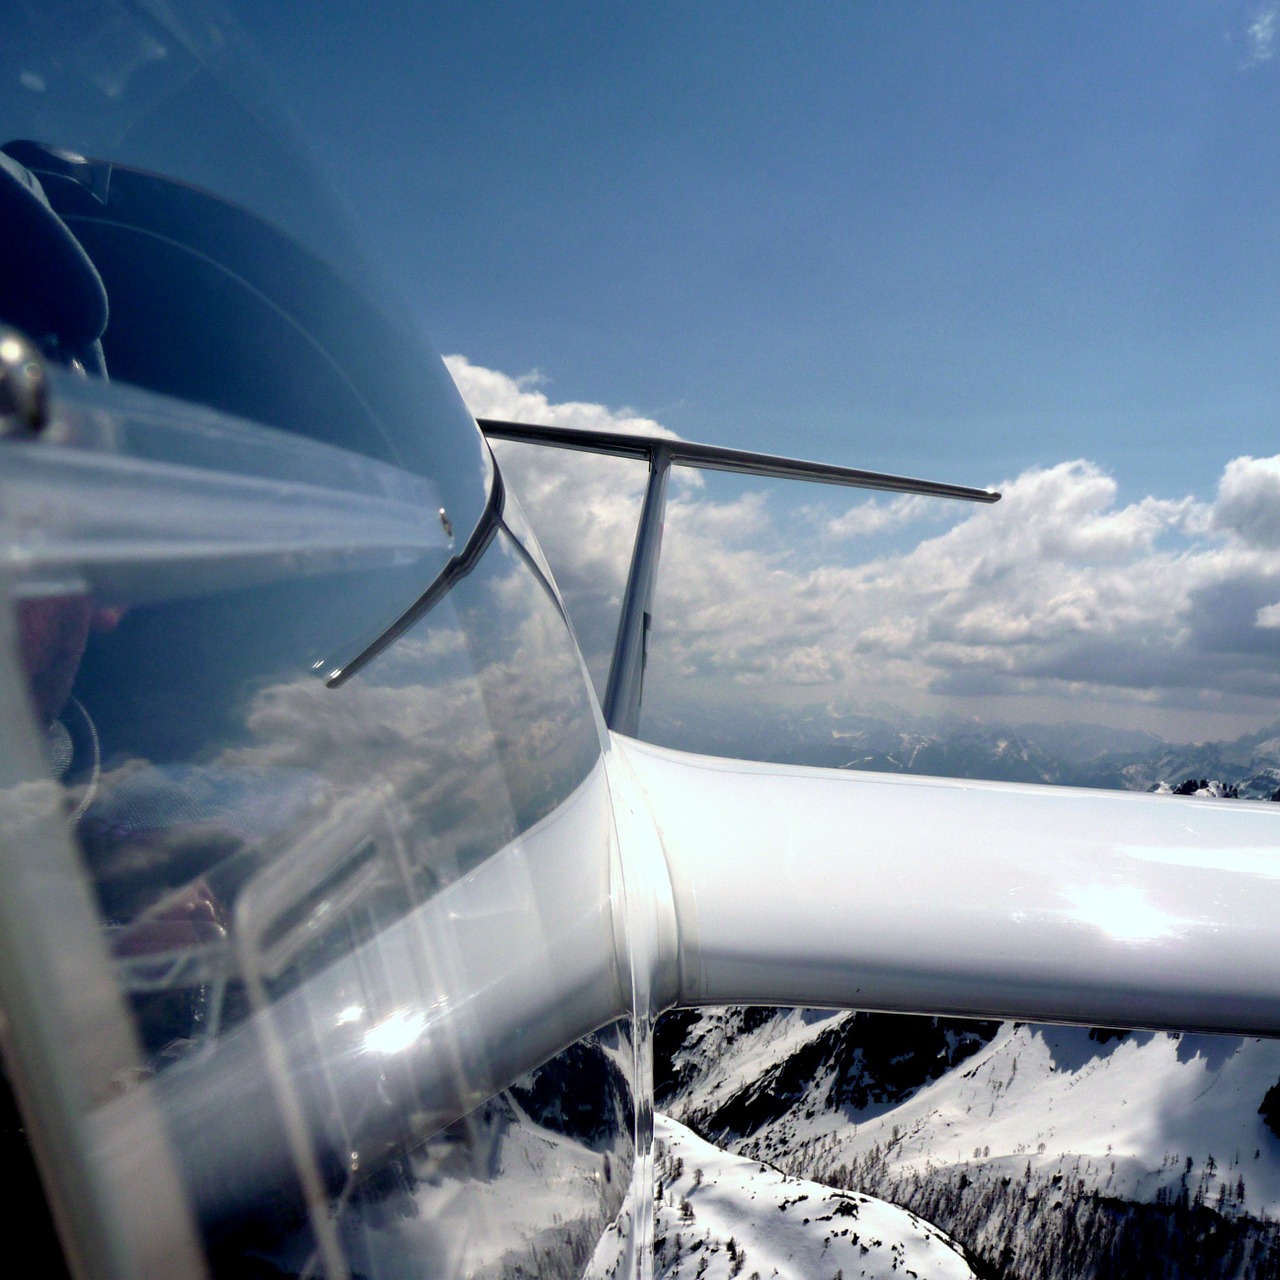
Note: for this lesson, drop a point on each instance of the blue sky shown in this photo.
(926, 237)
(987, 244)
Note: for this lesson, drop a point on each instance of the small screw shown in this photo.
(24, 385)
(445, 523)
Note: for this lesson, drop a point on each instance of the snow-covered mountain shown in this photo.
(1051, 1152)
(1044, 754)
(719, 1216)
(1069, 755)
(1047, 1151)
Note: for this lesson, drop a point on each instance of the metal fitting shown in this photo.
(24, 385)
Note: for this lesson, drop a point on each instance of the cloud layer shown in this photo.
(1059, 601)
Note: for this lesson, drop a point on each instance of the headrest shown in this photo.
(49, 287)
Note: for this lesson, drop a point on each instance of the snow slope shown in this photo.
(1041, 1148)
(1126, 1116)
(720, 1216)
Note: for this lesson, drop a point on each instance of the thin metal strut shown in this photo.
(631, 648)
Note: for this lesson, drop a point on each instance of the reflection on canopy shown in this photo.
(261, 843)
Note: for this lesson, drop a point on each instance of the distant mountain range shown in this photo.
(1066, 755)
(1037, 754)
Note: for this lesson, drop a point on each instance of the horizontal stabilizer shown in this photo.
(711, 457)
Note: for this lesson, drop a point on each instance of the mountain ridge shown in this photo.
(1076, 755)
(1048, 1152)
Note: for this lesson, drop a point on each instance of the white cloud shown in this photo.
(1059, 596)
(876, 516)
(1260, 36)
(490, 394)
(1248, 502)
(584, 507)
